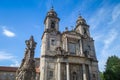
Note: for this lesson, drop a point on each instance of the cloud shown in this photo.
(107, 50)
(116, 12)
(105, 26)
(8, 33)
(112, 35)
(100, 17)
(5, 56)
(15, 64)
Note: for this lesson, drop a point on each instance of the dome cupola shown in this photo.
(52, 13)
(80, 20)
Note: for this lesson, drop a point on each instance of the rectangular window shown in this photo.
(72, 48)
(53, 42)
(50, 74)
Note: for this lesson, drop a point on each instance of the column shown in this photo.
(81, 48)
(59, 71)
(90, 72)
(68, 72)
(66, 45)
(84, 72)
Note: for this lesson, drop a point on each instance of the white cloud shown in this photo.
(15, 64)
(116, 12)
(105, 24)
(96, 19)
(106, 50)
(107, 42)
(8, 33)
(100, 18)
(112, 35)
(5, 56)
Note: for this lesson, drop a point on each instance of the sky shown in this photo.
(19, 19)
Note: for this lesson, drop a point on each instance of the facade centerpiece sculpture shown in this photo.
(26, 71)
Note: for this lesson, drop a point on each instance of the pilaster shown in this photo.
(84, 72)
(59, 71)
(68, 72)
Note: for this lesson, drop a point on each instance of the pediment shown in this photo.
(72, 33)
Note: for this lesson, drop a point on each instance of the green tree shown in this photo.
(101, 76)
(112, 71)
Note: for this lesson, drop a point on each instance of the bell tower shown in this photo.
(82, 27)
(51, 35)
(51, 39)
(51, 21)
(88, 49)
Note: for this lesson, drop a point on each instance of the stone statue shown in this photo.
(26, 71)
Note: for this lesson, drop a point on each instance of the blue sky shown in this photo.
(19, 19)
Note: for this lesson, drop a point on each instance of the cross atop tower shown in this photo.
(52, 7)
(79, 13)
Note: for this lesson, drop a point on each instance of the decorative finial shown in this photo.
(52, 5)
(66, 28)
(72, 27)
(31, 44)
(31, 37)
(79, 14)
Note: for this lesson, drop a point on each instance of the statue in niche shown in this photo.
(89, 48)
(60, 51)
(86, 52)
(85, 31)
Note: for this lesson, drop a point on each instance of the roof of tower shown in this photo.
(81, 20)
(52, 12)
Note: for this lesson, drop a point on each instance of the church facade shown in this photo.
(69, 55)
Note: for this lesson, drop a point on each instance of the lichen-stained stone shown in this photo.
(26, 71)
(69, 55)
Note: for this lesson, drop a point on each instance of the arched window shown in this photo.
(52, 25)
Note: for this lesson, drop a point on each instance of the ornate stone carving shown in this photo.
(26, 71)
